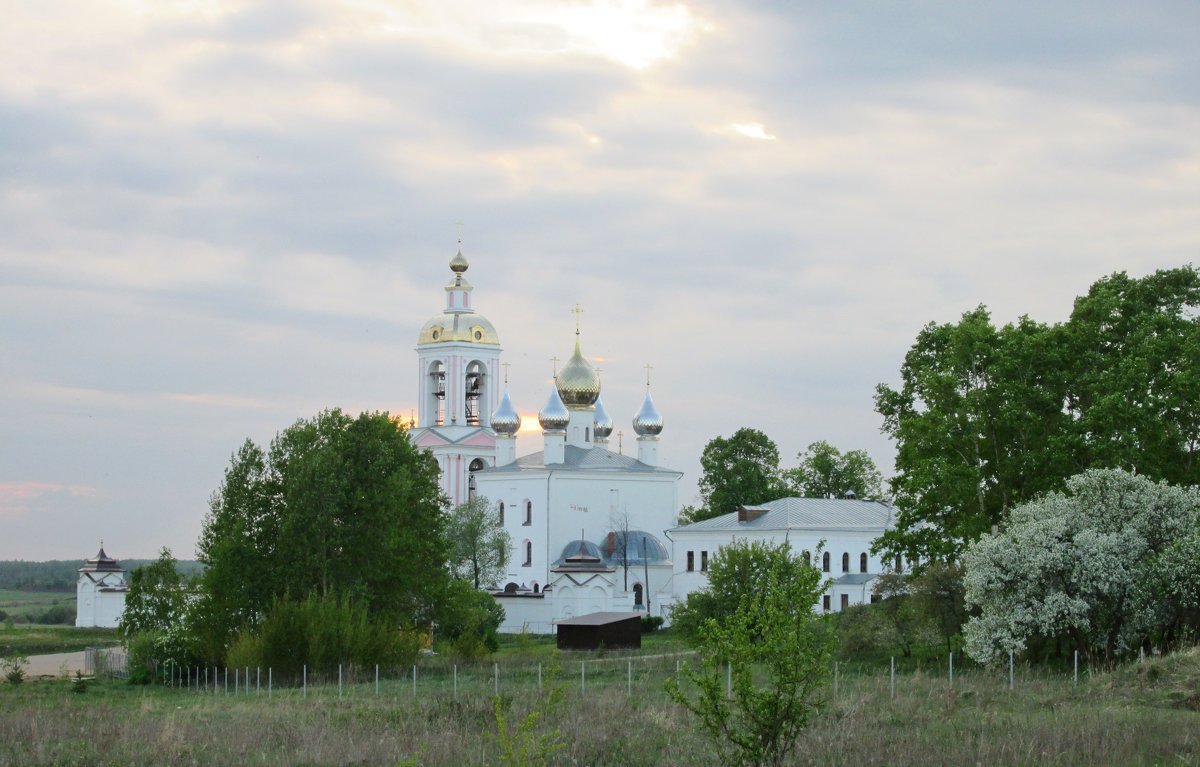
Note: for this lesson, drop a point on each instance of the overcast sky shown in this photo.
(219, 217)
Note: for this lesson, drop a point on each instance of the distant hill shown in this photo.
(61, 574)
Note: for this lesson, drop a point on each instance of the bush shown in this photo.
(58, 615)
(651, 623)
(140, 657)
(322, 633)
(468, 621)
(13, 668)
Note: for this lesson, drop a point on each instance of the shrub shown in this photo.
(13, 668)
(651, 623)
(58, 615)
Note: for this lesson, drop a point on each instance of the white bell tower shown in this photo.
(458, 361)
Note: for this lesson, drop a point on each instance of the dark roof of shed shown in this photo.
(598, 619)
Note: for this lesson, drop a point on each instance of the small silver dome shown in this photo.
(648, 422)
(506, 420)
(602, 424)
(554, 416)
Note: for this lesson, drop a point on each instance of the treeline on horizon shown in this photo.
(62, 574)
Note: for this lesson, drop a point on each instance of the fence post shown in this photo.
(1011, 680)
(414, 680)
(339, 680)
(729, 680)
(951, 669)
(270, 681)
(305, 681)
(456, 680)
(247, 678)
(677, 667)
(835, 679)
(892, 684)
(205, 678)
(257, 679)
(496, 678)
(236, 680)
(629, 678)
(583, 676)
(227, 679)
(539, 679)
(1076, 667)
(376, 680)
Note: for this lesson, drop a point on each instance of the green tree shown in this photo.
(976, 421)
(938, 597)
(986, 419)
(480, 544)
(1067, 566)
(339, 506)
(156, 599)
(826, 472)
(777, 655)
(739, 471)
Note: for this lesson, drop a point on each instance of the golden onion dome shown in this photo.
(506, 420)
(648, 422)
(554, 417)
(578, 382)
(447, 327)
(602, 423)
(459, 263)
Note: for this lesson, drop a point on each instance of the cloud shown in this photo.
(18, 499)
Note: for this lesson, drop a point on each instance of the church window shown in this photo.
(825, 562)
(436, 401)
(845, 561)
(528, 554)
(501, 521)
(536, 588)
(825, 602)
(528, 512)
(474, 392)
(862, 562)
(475, 466)
(637, 596)
(691, 561)
(845, 601)
(704, 561)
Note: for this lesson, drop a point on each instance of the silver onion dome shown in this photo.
(602, 424)
(505, 420)
(648, 422)
(554, 416)
(578, 382)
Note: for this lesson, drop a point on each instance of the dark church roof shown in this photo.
(101, 563)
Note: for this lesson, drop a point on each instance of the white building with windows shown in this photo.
(100, 592)
(586, 523)
(594, 530)
(835, 534)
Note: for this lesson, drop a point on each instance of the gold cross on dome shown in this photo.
(578, 310)
(648, 369)
(505, 366)
(555, 361)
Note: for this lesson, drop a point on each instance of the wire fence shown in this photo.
(635, 675)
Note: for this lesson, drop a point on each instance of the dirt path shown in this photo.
(54, 664)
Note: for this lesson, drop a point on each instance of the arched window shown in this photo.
(528, 554)
(845, 561)
(637, 596)
(435, 403)
(529, 512)
(501, 522)
(475, 466)
(536, 588)
(825, 562)
(474, 392)
(862, 562)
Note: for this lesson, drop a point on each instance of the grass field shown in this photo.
(29, 604)
(30, 639)
(1138, 715)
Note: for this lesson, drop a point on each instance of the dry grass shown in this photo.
(1138, 715)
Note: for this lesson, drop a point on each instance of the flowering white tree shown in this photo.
(1072, 564)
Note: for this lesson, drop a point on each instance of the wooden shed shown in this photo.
(592, 631)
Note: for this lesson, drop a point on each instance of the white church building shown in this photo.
(100, 592)
(593, 530)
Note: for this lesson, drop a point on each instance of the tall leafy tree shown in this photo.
(156, 598)
(480, 545)
(339, 506)
(739, 471)
(987, 418)
(826, 472)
